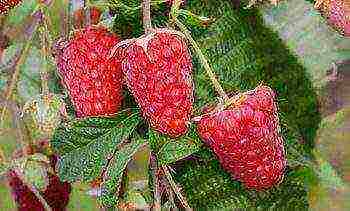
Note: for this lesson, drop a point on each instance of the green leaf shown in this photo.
(176, 149)
(88, 157)
(115, 170)
(78, 133)
(156, 140)
(243, 52)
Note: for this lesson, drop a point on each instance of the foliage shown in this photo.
(97, 147)
(245, 47)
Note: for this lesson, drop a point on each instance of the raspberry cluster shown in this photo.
(157, 69)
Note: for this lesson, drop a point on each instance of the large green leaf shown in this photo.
(243, 52)
(78, 133)
(115, 170)
(86, 158)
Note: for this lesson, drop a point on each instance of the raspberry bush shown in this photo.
(160, 104)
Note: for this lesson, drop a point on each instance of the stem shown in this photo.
(87, 13)
(155, 178)
(2, 157)
(203, 60)
(13, 82)
(65, 14)
(175, 188)
(44, 75)
(146, 11)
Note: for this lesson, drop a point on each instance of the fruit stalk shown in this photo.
(155, 178)
(44, 75)
(202, 59)
(175, 188)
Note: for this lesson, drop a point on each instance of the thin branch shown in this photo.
(44, 75)
(7, 67)
(146, 12)
(175, 188)
(13, 82)
(203, 60)
(156, 185)
(169, 192)
(65, 23)
(29, 33)
(13, 107)
(87, 13)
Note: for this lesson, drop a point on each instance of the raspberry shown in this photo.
(246, 140)
(337, 13)
(94, 82)
(158, 71)
(56, 194)
(8, 4)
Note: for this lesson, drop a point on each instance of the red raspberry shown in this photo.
(246, 140)
(56, 194)
(158, 71)
(337, 13)
(94, 82)
(6, 5)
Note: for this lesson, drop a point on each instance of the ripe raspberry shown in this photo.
(337, 13)
(56, 194)
(245, 139)
(79, 17)
(158, 71)
(8, 4)
(94, 82)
